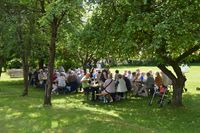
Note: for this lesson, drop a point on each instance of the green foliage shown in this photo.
(130, 27)
(15, 63)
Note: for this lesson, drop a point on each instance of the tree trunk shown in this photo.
(25, 71)
(24, 56)
(178, 82)
(48, 87)
(178, 87)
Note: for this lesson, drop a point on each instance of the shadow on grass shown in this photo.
(70, 113)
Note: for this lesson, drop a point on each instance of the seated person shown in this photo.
(42, 77)
(149, 83)
(61, 84)
(109, 88)
(72, 81)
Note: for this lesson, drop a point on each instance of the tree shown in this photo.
(167, 31)
(56, 13)
(21, 17)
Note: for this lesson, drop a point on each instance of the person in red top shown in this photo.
(158, 80)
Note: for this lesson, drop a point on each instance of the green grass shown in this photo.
(69, 114)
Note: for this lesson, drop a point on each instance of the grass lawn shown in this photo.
(70, 114)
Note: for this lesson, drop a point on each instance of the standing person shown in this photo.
(129, 75)
(125, 73)
(166, 80)
(85, 84)
(128, 84)
(121, 86)
(116, 75)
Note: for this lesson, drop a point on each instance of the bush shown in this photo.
(15, 63)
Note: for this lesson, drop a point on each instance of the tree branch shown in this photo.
(187, 53)
(61, 17)
(42, 6)
(166, 71)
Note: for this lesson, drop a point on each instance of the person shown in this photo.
(42, 77)
(133, 82)
(98, 76)
(85, 85)
(121, 86)
(103, 77)
(62, 69)
(128, 83)
(94, 86)
(142, 77)
(116, 75)
(99, 65)
(146, 85)
(125, 73)
(129, 75)
(61, 84)
(166, 80)
(184, 69)
(80, 75)
(109, 89)
(158, 80)
(149, 83)
(72, 81)
(93, 73)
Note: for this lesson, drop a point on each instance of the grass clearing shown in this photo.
(71, 114)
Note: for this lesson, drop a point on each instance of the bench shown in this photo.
(15, 73)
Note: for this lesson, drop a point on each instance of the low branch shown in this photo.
(166, 71)
(187, 53)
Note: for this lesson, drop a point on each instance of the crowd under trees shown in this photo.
(76, 32)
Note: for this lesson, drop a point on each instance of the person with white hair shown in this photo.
(59, 84)
(121, 86)
(42, 77)
(166, 80)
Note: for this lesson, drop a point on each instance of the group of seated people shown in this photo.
(38, 78)
(63, 82)
(102, 84)
(117, 87)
